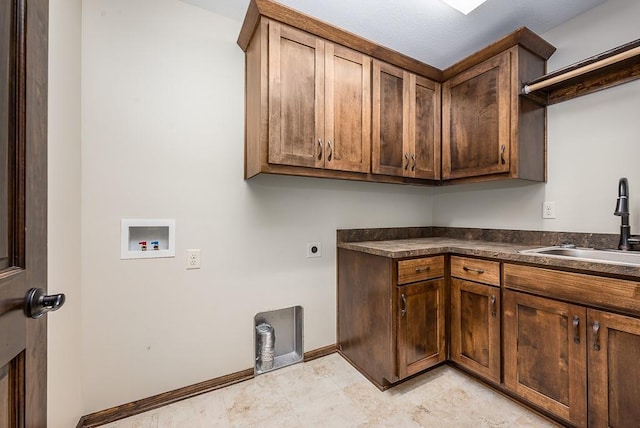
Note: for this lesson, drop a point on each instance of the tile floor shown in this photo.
(328, 392)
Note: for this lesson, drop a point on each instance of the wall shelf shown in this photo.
(606, 70)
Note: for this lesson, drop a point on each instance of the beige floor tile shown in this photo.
(329, 392)
(331, 410)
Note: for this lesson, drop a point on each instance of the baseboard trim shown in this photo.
(144, 405)
(320, 352)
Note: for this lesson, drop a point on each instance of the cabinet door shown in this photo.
(614, 372)
(475, 327)
(348, 109)
(476, 120)
(545, 354)
(296, 97)
(421, 329)
(390, 126)
(424, 128)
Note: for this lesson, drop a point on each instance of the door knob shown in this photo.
(37, 303)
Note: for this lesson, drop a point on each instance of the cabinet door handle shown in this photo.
(404, 304)
(596, 338)
(424, 269)
(406, 156)
(576, 331)
(493, 306)
(413, 157)
(502, 149)
(468, 269)
(319, 148)
(330, 150)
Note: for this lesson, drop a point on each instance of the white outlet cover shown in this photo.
(314, 249)
(193, 259)
(548, 209)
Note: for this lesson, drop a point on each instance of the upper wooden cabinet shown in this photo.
(319, 102)
(488, 130)
(315, 106)
(406, 123)
(477, 120)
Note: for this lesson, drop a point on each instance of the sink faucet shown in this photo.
(622, 209)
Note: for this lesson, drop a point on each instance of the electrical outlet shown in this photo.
(314, 249)
(548, 210)
(193, 259)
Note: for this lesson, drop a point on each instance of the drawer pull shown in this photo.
(330, 156)
(424, 269)
(413, 157)
(596, 339)
(404, 304)
(319, 148)
(493, 306)
(576, 331)
(468, 269)
(406, 156)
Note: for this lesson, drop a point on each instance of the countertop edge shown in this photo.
(505, 252)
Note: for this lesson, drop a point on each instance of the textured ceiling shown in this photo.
(427, 30)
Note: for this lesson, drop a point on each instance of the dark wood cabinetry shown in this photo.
(475, 316)
(391, 314)
(564, 346)
(487, 129)
(545, 355)
(421, 326)
(319, 102)
(475, 328)
(476, 122)
(613, 343)
(311, 108)
(552, 347)
(406, 123)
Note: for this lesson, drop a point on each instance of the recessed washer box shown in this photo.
(146, 239)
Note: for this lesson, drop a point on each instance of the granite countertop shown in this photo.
(508, 252)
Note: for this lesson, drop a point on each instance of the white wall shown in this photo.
(64, 360)
(162, 137)
(592, 142)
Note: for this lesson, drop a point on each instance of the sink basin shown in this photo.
(588, 254)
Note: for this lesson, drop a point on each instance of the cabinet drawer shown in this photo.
(605, 293)
(484, 271)
(420, 269)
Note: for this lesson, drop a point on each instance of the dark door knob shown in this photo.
(37, 303)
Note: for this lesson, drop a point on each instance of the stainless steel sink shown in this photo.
(588, 254)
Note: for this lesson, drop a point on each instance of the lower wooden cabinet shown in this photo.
(421, 326)
(391, 314)
(545, 354)
(554, 350)
(391, 325)
(475, 327)
(614, 370)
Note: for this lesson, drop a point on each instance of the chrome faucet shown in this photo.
(622, 209)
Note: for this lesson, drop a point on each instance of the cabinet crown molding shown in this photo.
(276, 11)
